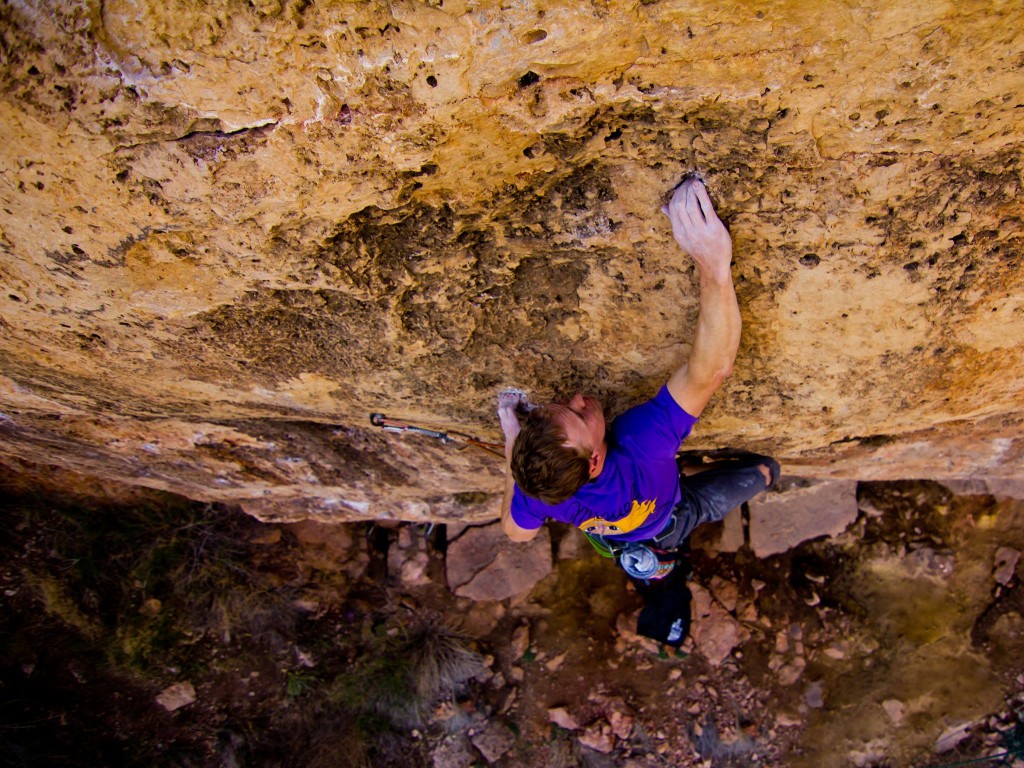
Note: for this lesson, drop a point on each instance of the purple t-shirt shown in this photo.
(634, 495)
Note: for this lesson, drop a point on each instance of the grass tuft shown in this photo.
(400, 675)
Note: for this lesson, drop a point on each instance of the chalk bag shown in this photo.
(642, 562)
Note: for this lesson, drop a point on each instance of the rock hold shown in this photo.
(625, 629)
(454, 752)
(555, 662)
(1000, 487)
(952, 737)
(715, 632)
(1005, 565)
(598, 737)
(561, 717)
(814, 696)
(782, 520)
(483, 564)
(726, 536)
(725, 592)
(494, 741)
(933, 563)
(894, 709)
(408, 557)
(177, 696)
(520, 642)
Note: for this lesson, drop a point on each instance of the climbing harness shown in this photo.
(642, 562)
(448, 437)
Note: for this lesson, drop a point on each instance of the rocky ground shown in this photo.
(142, 629)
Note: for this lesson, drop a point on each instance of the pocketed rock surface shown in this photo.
(231, 231)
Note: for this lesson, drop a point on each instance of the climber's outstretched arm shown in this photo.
(701, 234)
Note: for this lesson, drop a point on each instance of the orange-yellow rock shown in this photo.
(230, 231)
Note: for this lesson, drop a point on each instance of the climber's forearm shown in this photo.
(716, 341)
(508, 525)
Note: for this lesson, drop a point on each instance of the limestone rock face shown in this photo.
(230, 231)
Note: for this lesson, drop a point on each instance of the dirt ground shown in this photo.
(893, 644)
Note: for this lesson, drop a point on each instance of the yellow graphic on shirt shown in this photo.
(637, 516)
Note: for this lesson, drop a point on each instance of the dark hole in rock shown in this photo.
(529, 79)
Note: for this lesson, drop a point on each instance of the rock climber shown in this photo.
(623, 484)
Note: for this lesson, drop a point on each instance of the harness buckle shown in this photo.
(669, 528)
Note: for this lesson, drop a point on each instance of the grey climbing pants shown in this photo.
(710, 495)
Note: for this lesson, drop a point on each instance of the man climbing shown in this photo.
(624, 484)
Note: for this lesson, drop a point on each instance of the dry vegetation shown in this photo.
(105, 607)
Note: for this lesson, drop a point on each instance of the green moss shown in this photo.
(58, 603)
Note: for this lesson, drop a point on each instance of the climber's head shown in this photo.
(560, 447)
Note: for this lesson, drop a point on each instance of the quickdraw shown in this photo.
(449, 437)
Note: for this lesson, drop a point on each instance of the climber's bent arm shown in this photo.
(508, 525)
(507, 403)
